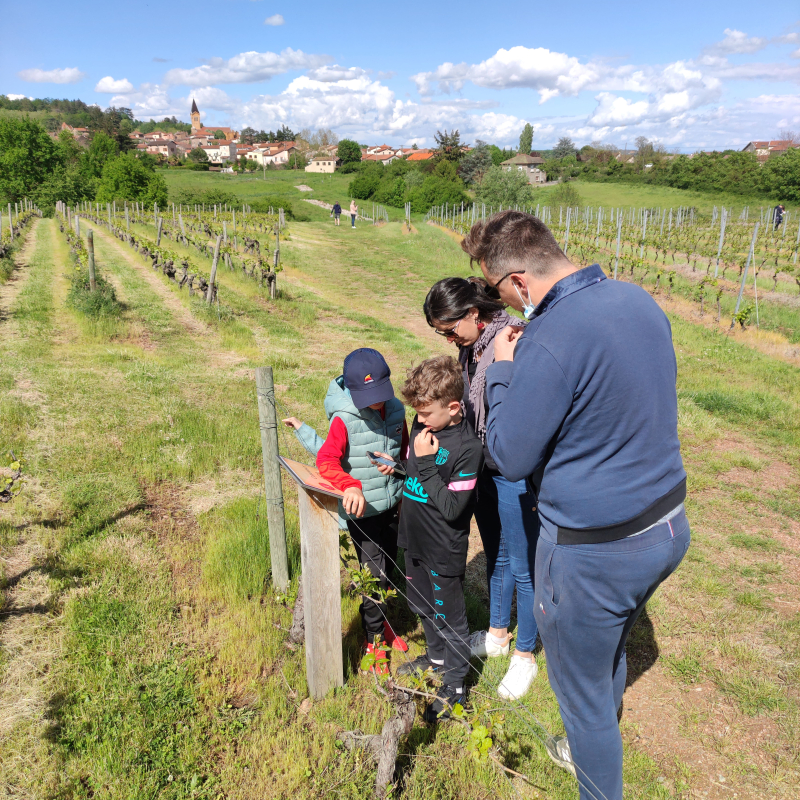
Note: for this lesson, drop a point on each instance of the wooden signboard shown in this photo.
(319, 553)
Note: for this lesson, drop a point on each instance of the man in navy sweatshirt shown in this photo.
(583, 402)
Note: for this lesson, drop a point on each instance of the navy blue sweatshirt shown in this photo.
(589, 403)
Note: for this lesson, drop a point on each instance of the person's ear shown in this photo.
(518, 280)
(453, 407)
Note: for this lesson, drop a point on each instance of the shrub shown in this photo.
(436, 191)
(367, 182)
(505, 188)
(565, 194)
(95, 305)
(350, 166)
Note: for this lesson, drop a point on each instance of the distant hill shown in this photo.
(51, 112)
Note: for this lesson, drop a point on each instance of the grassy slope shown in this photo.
(174, 680)
(329, 189)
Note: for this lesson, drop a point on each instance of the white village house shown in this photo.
(325, 164)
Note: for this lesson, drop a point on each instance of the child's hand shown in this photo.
(292, 422)
(354, 502)
(384, 469)
(425, 443)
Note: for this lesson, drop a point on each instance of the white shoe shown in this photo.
(518, 679)
(558, 749)
(481, 646)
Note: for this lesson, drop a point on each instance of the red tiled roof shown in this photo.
(421, 155)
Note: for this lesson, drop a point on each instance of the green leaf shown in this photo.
(367, 662)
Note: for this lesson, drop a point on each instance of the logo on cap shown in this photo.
(368, 379)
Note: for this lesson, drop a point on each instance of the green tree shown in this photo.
(498, 155)
(128, 178)
(219, 135)
(27, 156)
(505, 187)
(526, 139)
(366, 183)
(198, 155)
(102, 148)
(448, 145)
(781, 176)
(475, 164)
(565, 147)
(348, 151)
(248, 135)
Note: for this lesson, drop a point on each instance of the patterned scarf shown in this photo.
(499, 321)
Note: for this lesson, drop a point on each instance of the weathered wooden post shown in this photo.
(268, 422)
(90, 249)
(210, 293)
(10, 222)
(619, 236)
(127, 219)
(158, 235)
(322, 605)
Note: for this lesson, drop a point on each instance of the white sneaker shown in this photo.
(518, 679)
(481, 646)
(558, 749)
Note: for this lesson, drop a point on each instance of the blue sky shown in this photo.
(693, 75)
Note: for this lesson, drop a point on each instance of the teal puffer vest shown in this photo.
(365, 431)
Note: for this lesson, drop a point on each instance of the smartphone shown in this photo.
(375, 458)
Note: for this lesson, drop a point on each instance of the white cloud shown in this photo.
(335, 73)
(247, 67)
(548, 72)
(108, 85)
(65, 75)
(18, 97)
(737, 42)
(274, 20)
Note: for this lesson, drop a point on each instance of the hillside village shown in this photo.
(225, 149)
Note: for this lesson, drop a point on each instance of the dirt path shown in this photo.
(183, 316)
(28, 637)
(11, 288)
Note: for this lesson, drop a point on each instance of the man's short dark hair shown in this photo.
(512, 240)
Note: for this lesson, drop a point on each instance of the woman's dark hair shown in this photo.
(450, 300)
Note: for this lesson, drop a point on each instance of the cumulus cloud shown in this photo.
(548, 72)
(65, 75)
(335, 73)
(274, 20)
(737, 42)
(108, 85)
(18, 97)
(247, 67)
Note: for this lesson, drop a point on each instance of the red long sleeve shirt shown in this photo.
(330, 455)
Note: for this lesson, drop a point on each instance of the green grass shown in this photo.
(173, 678)
(638, 195)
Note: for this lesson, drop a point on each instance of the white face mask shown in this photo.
(527, 308)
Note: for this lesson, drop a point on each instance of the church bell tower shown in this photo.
(196, 124)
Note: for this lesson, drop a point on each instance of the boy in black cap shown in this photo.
(365, 416)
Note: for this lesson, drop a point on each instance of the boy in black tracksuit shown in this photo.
(438, 503)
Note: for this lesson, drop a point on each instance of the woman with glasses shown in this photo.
(469, 314)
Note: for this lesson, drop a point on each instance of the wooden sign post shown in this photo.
(319, 554)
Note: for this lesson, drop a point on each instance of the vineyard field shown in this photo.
(144, 649)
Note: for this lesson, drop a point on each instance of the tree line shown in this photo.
(731, 171)
(36, 166)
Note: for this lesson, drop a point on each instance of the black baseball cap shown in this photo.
(367, 376)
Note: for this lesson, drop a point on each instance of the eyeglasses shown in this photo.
(507, 275)
(449, 332)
